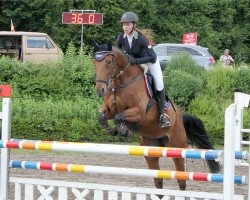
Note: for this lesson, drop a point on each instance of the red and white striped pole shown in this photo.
(5, 116)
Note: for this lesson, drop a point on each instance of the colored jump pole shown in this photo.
(120, 149)
(90, 169)
(113, 149)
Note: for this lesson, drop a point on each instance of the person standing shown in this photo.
(226, 59)
(140, 51)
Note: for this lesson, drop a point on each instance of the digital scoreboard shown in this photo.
(82, 18)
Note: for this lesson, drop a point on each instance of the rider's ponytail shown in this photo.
(148, 33)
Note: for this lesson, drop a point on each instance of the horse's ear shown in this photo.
(109, 46)
(95, 45)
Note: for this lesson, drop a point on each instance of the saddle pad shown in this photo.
(152, 95)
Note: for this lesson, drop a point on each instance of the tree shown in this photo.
(220, 24)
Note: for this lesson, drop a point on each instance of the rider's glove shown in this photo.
(132, 60)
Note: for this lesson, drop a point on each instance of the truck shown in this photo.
(33, 47)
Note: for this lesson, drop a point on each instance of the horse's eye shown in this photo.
(109, 62)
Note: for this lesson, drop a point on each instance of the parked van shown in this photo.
(29, 46)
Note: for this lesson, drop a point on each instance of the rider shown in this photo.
(140, 51)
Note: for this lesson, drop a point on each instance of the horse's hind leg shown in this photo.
(179, 140)
(180, 166)
(153, 162)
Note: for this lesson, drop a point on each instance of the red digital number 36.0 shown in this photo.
(82, 18)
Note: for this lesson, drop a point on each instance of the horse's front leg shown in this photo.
(126, 121)
(103, 119)
(130, 115)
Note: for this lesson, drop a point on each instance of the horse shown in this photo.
(127, 102)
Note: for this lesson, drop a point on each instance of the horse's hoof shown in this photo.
(158, 183)
(119, 118)
(122, 130)
(102, 119)
(182, 184)
(112, 131)
(160, 196)
(124, 133)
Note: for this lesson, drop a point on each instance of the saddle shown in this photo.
(151, 91)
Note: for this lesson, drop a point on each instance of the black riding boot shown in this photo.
(164, 118)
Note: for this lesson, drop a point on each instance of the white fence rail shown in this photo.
(47, 189)
(84, 191)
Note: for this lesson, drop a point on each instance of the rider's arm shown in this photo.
(148, 53)
(231, 59)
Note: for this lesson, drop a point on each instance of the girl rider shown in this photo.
(137, 46)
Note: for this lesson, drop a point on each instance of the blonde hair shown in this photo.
(226, 51)
(148, 33)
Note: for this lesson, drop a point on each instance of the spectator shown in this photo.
(226, 59)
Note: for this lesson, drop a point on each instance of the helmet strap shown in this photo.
(134, 24)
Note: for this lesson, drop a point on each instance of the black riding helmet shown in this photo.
(129, 17)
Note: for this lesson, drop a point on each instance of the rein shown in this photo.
(108, 82)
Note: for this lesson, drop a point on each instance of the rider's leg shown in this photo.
(156, 72)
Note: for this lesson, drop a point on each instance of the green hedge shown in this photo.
(184, 79)
(64, 120)
(210, 105)
(57, 101)
(61, 80)
(54, 120)
(206, 93)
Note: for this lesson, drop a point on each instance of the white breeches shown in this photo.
(155, 70)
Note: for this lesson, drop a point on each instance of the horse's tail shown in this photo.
(197, 136)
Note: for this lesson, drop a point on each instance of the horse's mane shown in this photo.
(119, 51)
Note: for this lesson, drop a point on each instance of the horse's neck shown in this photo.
(123, 65)
(128, 76)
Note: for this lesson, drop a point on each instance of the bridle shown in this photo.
(99, 56)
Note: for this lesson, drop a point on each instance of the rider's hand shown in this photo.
(132, 60)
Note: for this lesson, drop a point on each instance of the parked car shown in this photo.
(29, 46)
(200, 54)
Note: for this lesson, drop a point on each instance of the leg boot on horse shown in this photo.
(164, 119)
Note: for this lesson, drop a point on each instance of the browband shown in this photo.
(100, 55)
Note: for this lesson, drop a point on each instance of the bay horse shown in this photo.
(126, 100)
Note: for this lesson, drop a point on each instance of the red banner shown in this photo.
(190, 38)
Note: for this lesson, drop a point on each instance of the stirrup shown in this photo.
(164, 121)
